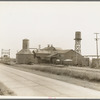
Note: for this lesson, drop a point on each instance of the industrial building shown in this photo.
(42, 54)
(59, 56)
(53, 55)
(67, 57)
(24, 56)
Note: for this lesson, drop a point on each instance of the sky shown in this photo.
(49, 22)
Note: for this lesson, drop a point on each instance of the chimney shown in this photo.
(48, 45)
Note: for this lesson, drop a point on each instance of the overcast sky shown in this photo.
(49, 23)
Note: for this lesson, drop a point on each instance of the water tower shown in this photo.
(78, 41)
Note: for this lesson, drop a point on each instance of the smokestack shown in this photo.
(25, 44)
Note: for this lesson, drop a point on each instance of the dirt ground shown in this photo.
(80, 82)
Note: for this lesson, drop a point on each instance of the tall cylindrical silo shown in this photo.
(25, 44)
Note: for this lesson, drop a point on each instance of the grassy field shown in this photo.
(76, 72)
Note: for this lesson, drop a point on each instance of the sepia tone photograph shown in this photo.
(50, 49)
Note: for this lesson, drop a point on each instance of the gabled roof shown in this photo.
(24, 51)
(43, 52)
(64, 51)
(49, 54)
(57, 52)
(61, 52)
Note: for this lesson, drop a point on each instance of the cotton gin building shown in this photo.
(24, 56)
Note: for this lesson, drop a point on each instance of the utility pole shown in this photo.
(97, 48)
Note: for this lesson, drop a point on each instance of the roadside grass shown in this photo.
(81, 73)
(4, 91)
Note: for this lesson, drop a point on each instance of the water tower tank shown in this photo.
(25, 44)
(78, 35)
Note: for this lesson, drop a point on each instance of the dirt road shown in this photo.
(28, 84)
